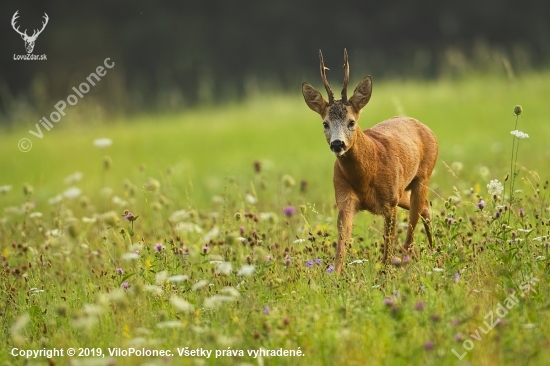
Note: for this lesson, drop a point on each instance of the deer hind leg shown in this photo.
(426, 221)
(389, 234)
(345, 224)
(417, 205)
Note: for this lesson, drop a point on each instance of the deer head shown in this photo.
(339, 116)
(29, 40)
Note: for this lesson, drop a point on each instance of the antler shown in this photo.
(35, 34)
(15, 16)
(324, 78)
(346, 77)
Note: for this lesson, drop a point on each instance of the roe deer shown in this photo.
(378, 169)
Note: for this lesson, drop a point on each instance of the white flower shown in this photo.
(246, 270)
(179, 216)
(35, 215)
(231, 291)
(217, 300)
(55, 200)
(251, 199)
(130, 256)
(211, 235)
(224, 268)
(89, 220)
(72, 192)
(298, 241)
(170, 324)
(161, 277)
(199, 285)
(73, 178)
(178, 278)
(4, 189)
(241, 239)
(181, 305)
(155, 290)
(103, 142)
(188, 227)
(358, 261)
(437, 269)
(519, 134)
(495, 187)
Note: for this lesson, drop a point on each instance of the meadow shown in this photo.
(212, 229)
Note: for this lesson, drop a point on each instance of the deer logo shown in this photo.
(377, 170)
(29, 40)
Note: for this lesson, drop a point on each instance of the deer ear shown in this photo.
(361, 95)
(314, 99)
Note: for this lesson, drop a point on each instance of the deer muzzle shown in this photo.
(337, 146)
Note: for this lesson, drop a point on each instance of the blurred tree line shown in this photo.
(173, 54)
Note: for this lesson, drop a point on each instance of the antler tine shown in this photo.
(324, 78)
(346, 77)
(13, 19)
(43, 24)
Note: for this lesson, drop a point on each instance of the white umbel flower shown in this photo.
(495, 187)
(519, 134)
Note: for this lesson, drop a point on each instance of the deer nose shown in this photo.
(337, 146)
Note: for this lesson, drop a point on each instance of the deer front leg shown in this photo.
(390, 225)
(345, 224)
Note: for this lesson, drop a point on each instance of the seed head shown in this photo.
(518, 110)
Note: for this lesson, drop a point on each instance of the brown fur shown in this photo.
(383, 167)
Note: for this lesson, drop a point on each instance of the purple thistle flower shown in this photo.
(388, 301)
(521, 212)
(288, 261)
(125, 285)
(289, 211)
(330, 269)
(458, 337)
(481, 204)
(420, 305)
(205, 249)
(318, 261)
(158, 247)
(119, 271)
(129, 216)
(406, 259)
(450, 220)
(456, 277)
(310, 264)
(266, 310)
(428, 346)
(497, 215)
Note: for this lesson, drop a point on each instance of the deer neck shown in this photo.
(358, 163)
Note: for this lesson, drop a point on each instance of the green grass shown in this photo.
(59, 277)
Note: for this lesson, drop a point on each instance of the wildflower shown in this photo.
(257, 166)
(396, 261)
(289, 211)
(428, 346)
(406, 259)
(518, 110)
(73, 178)
(151, 185)
(420, 305)
(318, 261)
(129, 216)
(103, 142)
(158, 247)
(495, 187)
(5, 189)
(330, 269)
(288, 260)
(205, 249)
(521, 212)
(125, 285)
(181, 305)
(458, 337)
(456, 277)
(119, 271)
(246, 270)
(251, 199)
(388, 301)
(266, 310)
(519, 134)
(309, 263)
(298, 241)
(200, 284)
(238, 216)
(481, 204)
(178, 278)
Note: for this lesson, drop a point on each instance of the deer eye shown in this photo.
(325, 125)
(351, 124)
